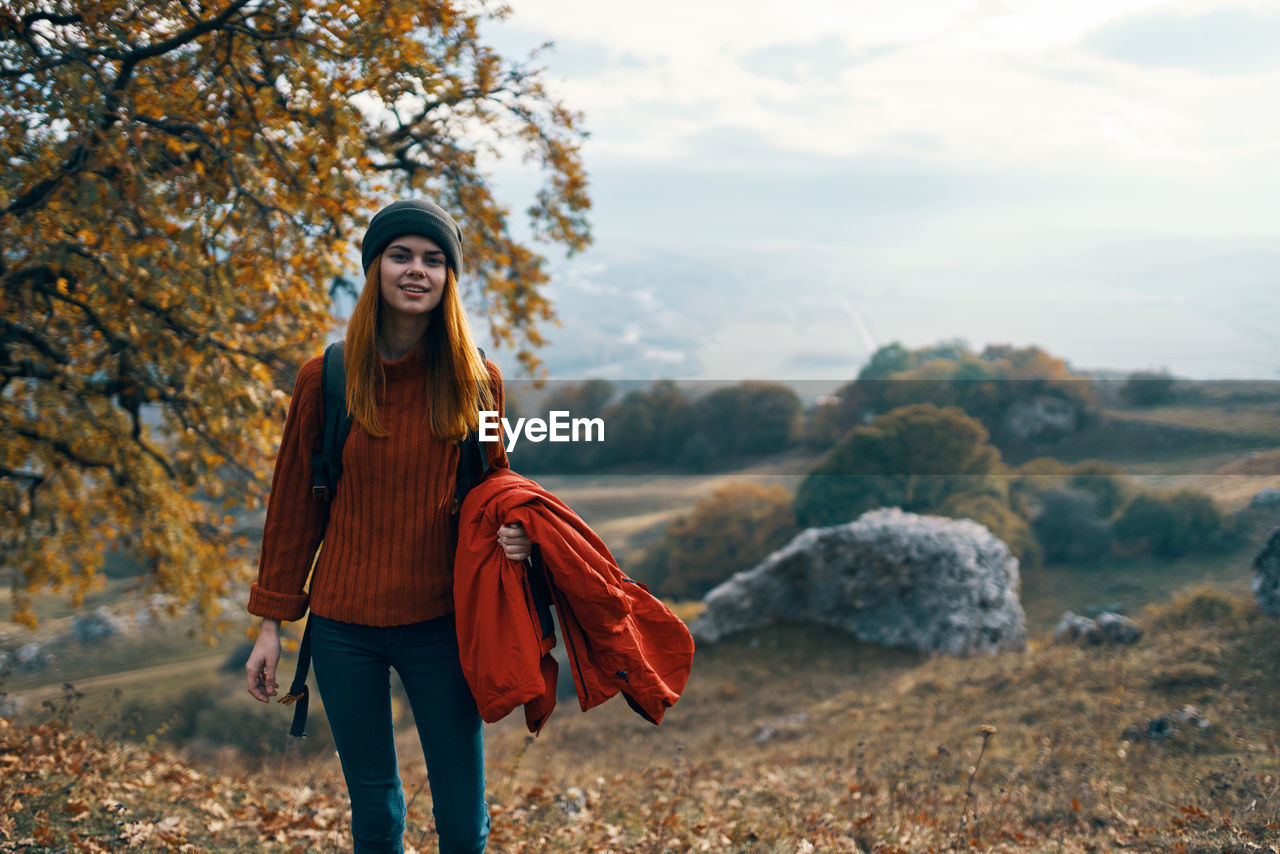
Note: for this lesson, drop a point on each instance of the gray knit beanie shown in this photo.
(413, 216)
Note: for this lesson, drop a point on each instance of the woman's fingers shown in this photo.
(260, 671)
(257, 681)
(515, 541)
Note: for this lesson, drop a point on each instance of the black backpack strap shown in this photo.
(473, 465)
(298, 692)
(326, 466)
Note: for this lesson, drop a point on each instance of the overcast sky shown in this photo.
(779, 188)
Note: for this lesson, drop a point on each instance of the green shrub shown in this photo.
(1109, 487)
(1069, 528)
(914, 457)
(1033, 479)
(995, 513)
(1147, 388)
(822, 425)
(1173, 524)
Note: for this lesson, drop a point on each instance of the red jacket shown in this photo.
(619, 637)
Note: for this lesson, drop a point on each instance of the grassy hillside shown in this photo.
(786, 740)
(1203, 426)
(789, 739)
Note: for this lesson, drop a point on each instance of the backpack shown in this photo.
(326, 468)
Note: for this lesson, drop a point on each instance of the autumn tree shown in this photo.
(184, 181)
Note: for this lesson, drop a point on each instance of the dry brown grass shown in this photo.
(880, 752)
(1261, 421)
(1259, 463)
(787, 739)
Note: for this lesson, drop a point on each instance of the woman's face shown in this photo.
(412, 275)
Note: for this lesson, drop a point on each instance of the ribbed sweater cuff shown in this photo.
(276, 606)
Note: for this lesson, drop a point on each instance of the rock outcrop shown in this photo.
(96, 626)
(1108, 628)
(1163, 727)
(889, 577)
(31, 658)
(1266, 575)
(1042, 419)
(1267, 497)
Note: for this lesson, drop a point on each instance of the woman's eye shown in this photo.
(434, 262)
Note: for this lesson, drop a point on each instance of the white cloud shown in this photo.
(949, 168)
(990, 81)
(1225, 41)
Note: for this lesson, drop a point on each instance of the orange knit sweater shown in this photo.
(388, 551)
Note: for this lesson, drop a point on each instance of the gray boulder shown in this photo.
(1075, 629)
(1269, 497)
(31, 657)
(785, 727)
(890, 578)
(1118, 629)
(1266, 575)
(1162, 727)
(1041, 419)
(94, 627)
(1108, 628)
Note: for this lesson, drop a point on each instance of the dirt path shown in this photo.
(32, 697)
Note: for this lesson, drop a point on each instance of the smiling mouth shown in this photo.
(414, 289)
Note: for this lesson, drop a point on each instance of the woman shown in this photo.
(381, 593)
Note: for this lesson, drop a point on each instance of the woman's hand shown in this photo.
(261, 667)
(514, 541)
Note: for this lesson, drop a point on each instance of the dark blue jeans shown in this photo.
(352, 665)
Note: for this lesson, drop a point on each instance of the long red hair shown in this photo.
(457, 385)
